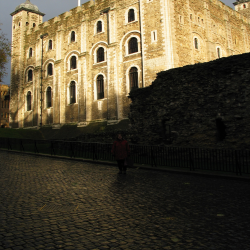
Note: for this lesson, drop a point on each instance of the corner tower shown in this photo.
(25, 19)
(243, 6)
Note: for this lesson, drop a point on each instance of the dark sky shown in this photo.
(51, 8)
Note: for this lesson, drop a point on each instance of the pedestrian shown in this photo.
(121, 151)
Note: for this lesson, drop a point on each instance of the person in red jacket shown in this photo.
(120, 151)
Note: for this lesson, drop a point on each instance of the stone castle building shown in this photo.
(80, 66)
(4, 105)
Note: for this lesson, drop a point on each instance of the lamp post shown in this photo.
(41, 115)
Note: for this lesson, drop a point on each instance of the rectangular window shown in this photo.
(153, 36)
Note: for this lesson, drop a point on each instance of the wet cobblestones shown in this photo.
(48, 203)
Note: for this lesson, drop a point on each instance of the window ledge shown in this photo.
(70, 104)
(135, 21)
(127, 55)
(98, 63)
(71, 70)
(98, 100)
(96, 34)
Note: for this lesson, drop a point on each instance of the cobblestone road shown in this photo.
(48, 203)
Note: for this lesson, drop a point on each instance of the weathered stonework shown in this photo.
(202, 105)
(165, 30)
(4, 105)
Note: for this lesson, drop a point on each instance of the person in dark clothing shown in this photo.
(121, 151)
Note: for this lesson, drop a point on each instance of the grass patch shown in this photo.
(66, 132)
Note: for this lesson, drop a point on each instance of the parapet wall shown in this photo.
(202, 105)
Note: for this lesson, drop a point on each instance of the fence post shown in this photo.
(52, 148)
(94, 151)
(191, 159)
(36, 150)
(72, 151)
(9, 146)
(153, 162)
(238, 167)
(21, 145)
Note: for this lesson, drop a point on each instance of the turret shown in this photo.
(25, 19)
(243, 6)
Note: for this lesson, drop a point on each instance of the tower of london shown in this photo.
(80, 66)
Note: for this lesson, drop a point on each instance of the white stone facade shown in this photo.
(97, 50)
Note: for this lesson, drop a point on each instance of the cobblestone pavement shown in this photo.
(49, 203)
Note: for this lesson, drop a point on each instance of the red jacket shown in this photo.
(120, 150)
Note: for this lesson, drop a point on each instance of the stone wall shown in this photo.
(201, 105)
(4, 105)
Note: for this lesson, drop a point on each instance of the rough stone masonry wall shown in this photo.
(202, 105)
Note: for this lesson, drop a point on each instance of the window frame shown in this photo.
(133, 78)
(49, 97)
(72, 92)
(71, 63)
(50, 45)
(196, 43)
(50, 71)
(30, 77)
(29, 101)
(130, 49)
(30, 52)
(100, 58)
(99, 29)
(130, 19)
(100, 87)
(72, 36)
(218, 52)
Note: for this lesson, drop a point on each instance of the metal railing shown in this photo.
(224, 160)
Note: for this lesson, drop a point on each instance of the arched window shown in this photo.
(218, 53)
(131, 15)
(100, 87)
(244, 6)
(73, 62)
(50, 69)
(132, 45)
(30, 75)
(99, 27)
(48, 98)
(72, 92)
(50, 45)
(34, 25)
(73, 37)
(196, 43)
(30, 52)
(28, 101)
(100, 55)
(133, 78)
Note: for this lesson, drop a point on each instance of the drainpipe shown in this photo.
(106, 11)
(41, 91)
(142, 71)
